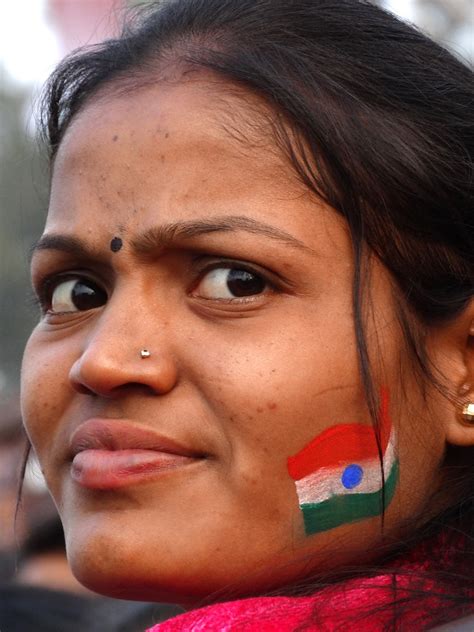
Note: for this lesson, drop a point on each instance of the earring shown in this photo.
(467, 414)
(144, 353)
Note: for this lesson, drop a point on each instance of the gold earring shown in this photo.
(467, 414)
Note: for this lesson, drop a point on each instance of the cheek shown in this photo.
(339, 477)
(44, 392)
(277, 396)
(271, 408)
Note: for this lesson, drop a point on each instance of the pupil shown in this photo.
(243, 283)
(87, 296)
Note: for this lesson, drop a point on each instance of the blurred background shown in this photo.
(34, 36)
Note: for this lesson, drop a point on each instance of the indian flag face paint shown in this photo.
(338, 475)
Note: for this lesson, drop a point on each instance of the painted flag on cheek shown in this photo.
(338, 475)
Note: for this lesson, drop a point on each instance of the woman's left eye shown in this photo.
(230, 283)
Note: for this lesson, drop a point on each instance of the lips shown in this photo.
(110, 454)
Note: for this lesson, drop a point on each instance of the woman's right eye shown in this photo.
(76, 295)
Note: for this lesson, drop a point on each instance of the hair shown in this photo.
(375, 119)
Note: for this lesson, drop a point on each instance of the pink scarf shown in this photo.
(371, 604)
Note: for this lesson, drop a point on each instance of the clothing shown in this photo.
(27, 608)
(369, 604)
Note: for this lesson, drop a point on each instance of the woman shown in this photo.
(254, 369)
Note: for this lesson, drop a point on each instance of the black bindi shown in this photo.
(116, 244)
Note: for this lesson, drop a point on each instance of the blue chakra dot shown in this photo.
(352, 476)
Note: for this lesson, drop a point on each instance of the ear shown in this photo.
(455, 359)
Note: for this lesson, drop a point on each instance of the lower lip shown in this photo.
(112, 469)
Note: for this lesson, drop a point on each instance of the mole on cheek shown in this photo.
(116, 244)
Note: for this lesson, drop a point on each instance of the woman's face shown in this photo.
(176, 226)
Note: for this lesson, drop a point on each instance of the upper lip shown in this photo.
(119, 434)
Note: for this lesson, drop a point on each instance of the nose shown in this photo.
(118, 356)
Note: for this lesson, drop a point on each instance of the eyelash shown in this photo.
(42, 295)
(206, 266)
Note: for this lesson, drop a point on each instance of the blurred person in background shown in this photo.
(12, 447)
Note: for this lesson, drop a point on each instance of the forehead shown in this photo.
(163, 118)
(172, 152)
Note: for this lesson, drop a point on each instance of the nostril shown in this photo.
(137, 386)
(83, 390)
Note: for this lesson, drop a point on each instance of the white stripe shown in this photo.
(326, 482)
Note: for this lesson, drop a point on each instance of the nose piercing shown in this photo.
(144, 353)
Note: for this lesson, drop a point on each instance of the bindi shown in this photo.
(116, 244)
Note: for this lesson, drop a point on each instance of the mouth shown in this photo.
(110, 454)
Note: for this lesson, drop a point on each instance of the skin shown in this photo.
(249, 382)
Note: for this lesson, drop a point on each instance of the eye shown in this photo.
(230, 283)
(76, 295)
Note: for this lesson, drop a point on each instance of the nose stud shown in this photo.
(144, 353)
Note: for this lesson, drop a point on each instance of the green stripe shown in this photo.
(345, 508)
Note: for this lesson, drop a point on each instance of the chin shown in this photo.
(117, 563)
(108, 571)
(148, 555)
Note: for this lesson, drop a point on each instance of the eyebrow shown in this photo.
(62, 243)
(160, 237)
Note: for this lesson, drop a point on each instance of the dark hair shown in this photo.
(374, 117)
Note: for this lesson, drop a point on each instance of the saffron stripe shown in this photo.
(326, 482)
(347, 508)
(344, 443)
